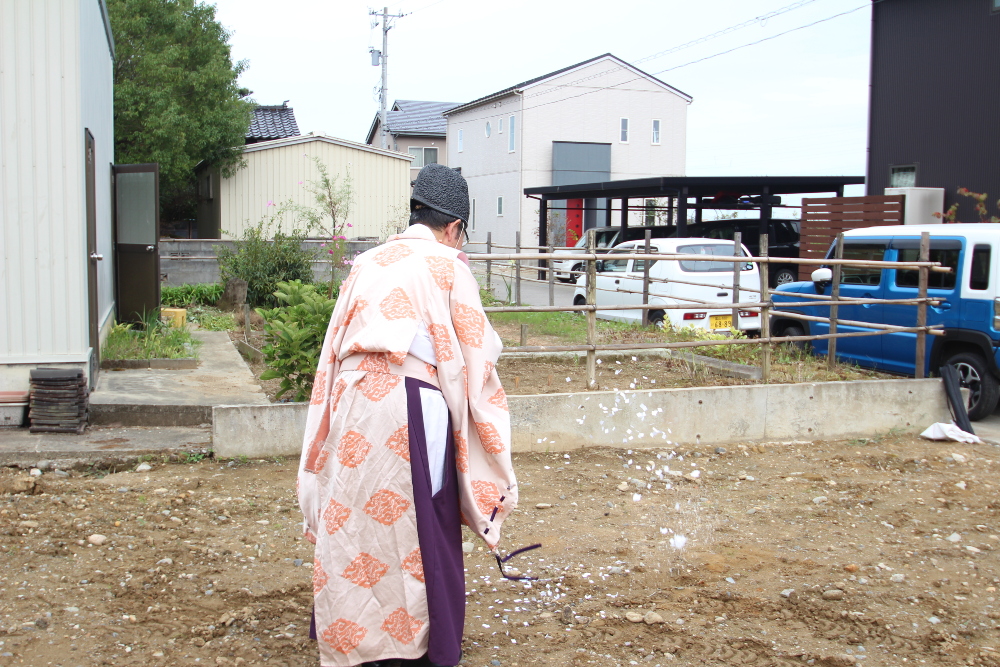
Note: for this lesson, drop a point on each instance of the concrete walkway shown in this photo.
(98, 444)
(177, 398)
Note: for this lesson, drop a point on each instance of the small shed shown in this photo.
(276, 172)
(57, 289)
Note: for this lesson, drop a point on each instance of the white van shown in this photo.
(619, 281)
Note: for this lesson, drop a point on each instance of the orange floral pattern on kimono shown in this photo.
(354, 485)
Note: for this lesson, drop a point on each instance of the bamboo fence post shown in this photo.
(738, 252)
(921, 352)
(765, 312)
(524, 335)
(645, 281)
(591, 314)
(551, 276)
(831, 352)
(489, 263)
(517, 269)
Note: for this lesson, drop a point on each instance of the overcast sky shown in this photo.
(792, 105)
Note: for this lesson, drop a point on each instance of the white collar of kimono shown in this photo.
(424, 233)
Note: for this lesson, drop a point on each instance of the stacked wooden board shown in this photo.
(59, 401)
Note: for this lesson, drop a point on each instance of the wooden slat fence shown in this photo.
(823, 219)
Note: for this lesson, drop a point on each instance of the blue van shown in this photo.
(969, 308)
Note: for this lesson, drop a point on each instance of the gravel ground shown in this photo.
(870, 552)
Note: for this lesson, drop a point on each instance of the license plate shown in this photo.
(721, 321)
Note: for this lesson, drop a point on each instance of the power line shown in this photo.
(725, 31)
(761, 41)
(669, 69)
(700, 40)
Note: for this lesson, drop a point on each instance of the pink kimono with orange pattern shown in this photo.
(354, 482)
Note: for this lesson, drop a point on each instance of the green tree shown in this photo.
(177, 101)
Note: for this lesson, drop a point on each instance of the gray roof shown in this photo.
(272, 122)
(523, 84)
(416, 118)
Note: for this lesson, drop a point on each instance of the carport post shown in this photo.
(591, 314)
(921, 355)
(543, 237)
(607, 212)
(831, 351)
(738, 252)
(624, 214)
(765, 313)
(645, 281)
(682, 213)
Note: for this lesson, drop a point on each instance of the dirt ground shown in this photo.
(869, 552)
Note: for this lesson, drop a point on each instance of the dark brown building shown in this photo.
(934, 112)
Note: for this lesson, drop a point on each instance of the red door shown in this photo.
(574, 221)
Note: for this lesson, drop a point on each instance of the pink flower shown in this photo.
(349, 225)
(330, 251)
(270, 203)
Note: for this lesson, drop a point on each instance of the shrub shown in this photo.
(264, 263)
(182, 296)
(154, 341)
(293, 336)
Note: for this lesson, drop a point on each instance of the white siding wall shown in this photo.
(43, 288)
(583, 105)
(488, 166)
(556, 111)
(97, 93)
(279, 173)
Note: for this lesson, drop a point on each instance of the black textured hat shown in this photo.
(442, 189)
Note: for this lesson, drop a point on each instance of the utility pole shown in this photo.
(381, 56)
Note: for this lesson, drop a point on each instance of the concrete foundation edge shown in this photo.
(698, 416)
(105, 414)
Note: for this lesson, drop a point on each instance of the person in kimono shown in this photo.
(407, 437)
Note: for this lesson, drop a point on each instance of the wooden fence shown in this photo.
(823, 219)
(764, 306)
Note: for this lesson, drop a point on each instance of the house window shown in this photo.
(472, 216)
(461, 140)
(499, 206)
(903, 176)
(623, 135)
(996, 5)
(489, 129)
(500, 125)
(656, 131)
(422, 156)
(510, 135)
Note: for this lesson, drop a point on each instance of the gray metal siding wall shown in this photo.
(934, 99)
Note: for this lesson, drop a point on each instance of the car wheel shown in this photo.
(657, 318)
(795, 330)
(784, 276)
(974, 375)
(579, 300)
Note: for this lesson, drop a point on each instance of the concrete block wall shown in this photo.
(664, 417)
(194, 261)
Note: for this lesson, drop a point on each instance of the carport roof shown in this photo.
(696, 186)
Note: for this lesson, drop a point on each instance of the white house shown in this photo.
(57, 296)
(280, 171)
(598, 120)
